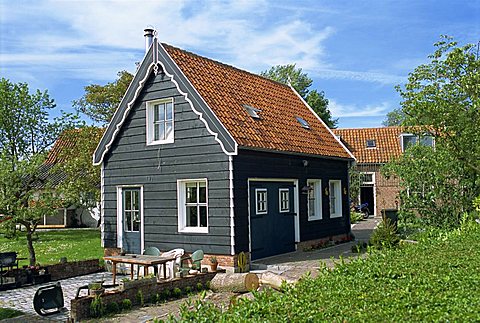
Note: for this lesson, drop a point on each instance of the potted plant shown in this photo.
(96, 288)
(213, 263)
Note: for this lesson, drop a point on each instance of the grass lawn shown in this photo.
(51, 245)
(6, 313)
(436, 280)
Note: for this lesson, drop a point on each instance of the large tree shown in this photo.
(100, 101)
(26, 132)
(394, 118)
(442, 99)
(290, 74)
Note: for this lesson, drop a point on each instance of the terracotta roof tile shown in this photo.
(387, 140)
(226, 89)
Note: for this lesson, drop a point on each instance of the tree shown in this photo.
(289, 74)
(100, 101)
(442, 98)
(394, 118)
(26, 132)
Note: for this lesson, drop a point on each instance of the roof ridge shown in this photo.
(369, 128)
(227, 65)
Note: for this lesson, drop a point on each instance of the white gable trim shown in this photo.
(324, 124)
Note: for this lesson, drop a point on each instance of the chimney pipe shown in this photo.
(149, 31)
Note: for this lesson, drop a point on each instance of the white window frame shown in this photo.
(368, 173)
(316, 185)
(150, 106)
(338, 198)
(182, 207)
(281, 200)
(418, 140)
(259, 211)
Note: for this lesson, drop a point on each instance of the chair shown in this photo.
(173, 265)
(151, 251)
(195, 260)
(48, 300)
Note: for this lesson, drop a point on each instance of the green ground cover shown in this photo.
(78, 244)
(437, 279)
(6, 313)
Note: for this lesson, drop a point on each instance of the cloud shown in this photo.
(344, 111)
(366, 76)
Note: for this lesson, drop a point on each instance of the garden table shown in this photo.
(141, 260)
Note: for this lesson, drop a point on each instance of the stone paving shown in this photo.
(22, 298)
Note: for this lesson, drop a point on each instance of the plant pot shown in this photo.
(96, 292)
(214, 266)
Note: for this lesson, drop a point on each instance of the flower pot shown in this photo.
(214, 266)
(96, 292)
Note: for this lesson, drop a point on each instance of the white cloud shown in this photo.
(344, 111)
(367, 76)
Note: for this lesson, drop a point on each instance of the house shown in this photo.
(373, 148)
(63, 148)
(202, 155)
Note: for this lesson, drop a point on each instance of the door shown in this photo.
(367, 196)
(131, 217)
(272, 218)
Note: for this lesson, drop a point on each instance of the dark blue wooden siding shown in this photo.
(251, 164)
(194, 154)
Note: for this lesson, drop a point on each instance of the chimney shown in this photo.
(148, 38)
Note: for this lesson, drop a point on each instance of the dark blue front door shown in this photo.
(272, 218)
(131, 220)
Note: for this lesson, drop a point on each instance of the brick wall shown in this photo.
(80, 307)
(323, 241)
(74, 268)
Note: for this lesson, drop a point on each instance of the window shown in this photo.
(303, 123)
(284, 200)
(371, 143)
(335, 193)
(131, 209)
(253, 112)
(409, 140)
(261, 201)
(368, 178)
(193, 206)
(314, 199)
(160, 122)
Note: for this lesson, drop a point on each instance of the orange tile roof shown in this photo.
(387, 141)
(226, 89)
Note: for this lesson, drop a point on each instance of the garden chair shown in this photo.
(173, 265)
(48, 300)
(151, 251)
(195, 260)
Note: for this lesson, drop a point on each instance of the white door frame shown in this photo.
(120, 216)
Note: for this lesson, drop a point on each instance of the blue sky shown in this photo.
(355, 51)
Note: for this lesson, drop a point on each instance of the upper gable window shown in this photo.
(160, 122)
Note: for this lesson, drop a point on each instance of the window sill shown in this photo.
(160, 142)
(332, 216)
(316, 218)
(193, 230)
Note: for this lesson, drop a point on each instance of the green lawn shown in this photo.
(51, 245)
(436, 280)
(7, 313)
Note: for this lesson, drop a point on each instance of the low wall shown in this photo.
(80, 307)
(74, 268)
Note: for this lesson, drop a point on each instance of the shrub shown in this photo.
(177, 292)
(384, 236)
(126, 304)
(355, 217)
(97, 309)
(139, 297)
(207, 285)
(187, 290)
(199, 287)
(113, 308)
(155, 298)
(165, 295)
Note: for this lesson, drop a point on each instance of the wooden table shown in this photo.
(141, 260)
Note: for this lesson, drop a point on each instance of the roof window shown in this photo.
(253, 112)
(371, 143)
(303, 123)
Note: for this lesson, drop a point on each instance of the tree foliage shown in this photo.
(26, 131)
(100, 101)
(290, 74)
(442, 98)
(394, 118)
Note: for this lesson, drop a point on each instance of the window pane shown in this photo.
(191, 191)
(161, 112)
(202, 192)
(136, 221)
(128, 200)
(161, 131)
(203, 216)
(409, 141)
(135, 200)
(427, 141)
(169, 108)
(168, 130)
(192, 216)
(156, 112)
(332, 198)
(128, 221)
(156, 131)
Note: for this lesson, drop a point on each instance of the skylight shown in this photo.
(371, 143)
(303, 123)
(253, 112)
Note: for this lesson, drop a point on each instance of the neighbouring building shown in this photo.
(373, 148)
(202, 155)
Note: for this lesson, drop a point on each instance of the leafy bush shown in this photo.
(126, 304)
(199, 287)
(433, 280)
(177, 292)
(139, 297)
(355, 217)
(6, 313)
(113, 308)
(384, 236)
(97, 309)
(165, 294)
(187, 290)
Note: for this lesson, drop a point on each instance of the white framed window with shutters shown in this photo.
(314, 196)
(192, 205)
(335, 198)
(261, 202)
(284, 200)
(160, 122)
